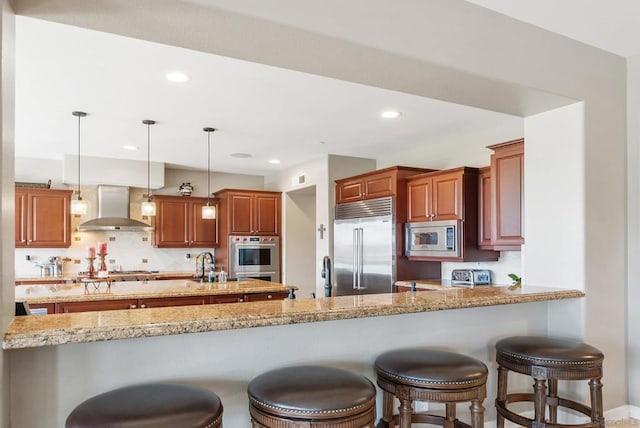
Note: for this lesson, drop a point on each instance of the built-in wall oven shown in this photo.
(256, 257)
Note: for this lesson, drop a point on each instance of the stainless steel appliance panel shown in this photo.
(364, 244)
(433, 239)
(254, 255)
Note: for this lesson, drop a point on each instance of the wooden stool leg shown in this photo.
(477, 414)
(405, 411)
(450, 418)
(387, 410)
(540, 399)
(552, 400)
(503, 376)
(596, 401)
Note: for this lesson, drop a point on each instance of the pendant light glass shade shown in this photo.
(208, 211)
(79, 206)
(148, 207)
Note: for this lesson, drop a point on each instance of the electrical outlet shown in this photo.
(145, 238)
(77, 238)
(187, 256)
(28, 257)
(112, 238)
(76, 261)
(112, 261)
(145, 260)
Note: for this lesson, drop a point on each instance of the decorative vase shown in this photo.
(186, 189)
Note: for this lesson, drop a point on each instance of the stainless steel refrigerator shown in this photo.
(364, 247)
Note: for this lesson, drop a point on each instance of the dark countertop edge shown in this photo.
(96, 334)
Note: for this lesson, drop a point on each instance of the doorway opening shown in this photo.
(300, 240)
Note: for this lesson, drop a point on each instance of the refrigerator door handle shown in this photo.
(355, 258)
(360, 257)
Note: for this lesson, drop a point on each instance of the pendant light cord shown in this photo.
(148, 160)
(208, 166)
(148, 122)
(79, 114)
(79, 196)
(208, 131)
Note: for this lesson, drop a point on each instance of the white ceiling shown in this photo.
(266, 111)
(613, 26)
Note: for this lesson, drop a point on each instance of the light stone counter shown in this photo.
(37, 331)
(53, 293)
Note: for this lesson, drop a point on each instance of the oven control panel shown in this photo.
(253, 238)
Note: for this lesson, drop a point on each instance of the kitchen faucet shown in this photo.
(203, 259)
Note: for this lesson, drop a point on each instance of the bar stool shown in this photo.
(419, 374)
(311, 396)
(552, 359)
(157, 405)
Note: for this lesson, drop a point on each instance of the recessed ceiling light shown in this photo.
(176, 76)
(127, 147)
(390, 114)
(240, 155)
(274, 161)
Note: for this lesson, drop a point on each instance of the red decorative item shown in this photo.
(91, 271)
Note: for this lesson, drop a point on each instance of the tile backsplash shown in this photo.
(128, 251)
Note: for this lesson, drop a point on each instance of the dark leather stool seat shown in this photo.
(548, 359)
(156, 405)
(311, 396)
(419, 374)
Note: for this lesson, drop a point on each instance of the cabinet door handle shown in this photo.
(132, 306)
(186, 242)
(241, 300)
(269, 296)
(29, 241)
(143, 305)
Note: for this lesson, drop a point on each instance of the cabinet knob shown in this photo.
(269, 296)
(241, 300)
(143, 305)
(132, 306)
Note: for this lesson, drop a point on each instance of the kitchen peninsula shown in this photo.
(33, 331)
(222, 347)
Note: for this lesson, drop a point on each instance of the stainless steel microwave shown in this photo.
(433, 239)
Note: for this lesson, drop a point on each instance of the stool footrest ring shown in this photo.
(501, 407)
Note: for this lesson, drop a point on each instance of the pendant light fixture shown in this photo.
(208, 211)
(79, 206)
(148, 207)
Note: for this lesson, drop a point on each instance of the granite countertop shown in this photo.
(53, 293)
(73, 277)
(36, 331)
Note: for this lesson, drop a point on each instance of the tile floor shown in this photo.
(624, 423)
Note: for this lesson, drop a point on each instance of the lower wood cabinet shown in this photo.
(229, 298)
(261, 297)
(173, 301)
(95, 305)
(158, 302)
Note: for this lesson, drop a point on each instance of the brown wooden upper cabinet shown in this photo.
(374, 184)
(43, 218)
(439, 195)
(179, 223)
(506, 199)
(250, 212)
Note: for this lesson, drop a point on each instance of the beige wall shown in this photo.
(633, 230)
(7, 202)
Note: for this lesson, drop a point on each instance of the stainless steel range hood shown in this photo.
(113, 212)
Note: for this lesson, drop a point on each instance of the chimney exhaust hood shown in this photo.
(113, 212)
